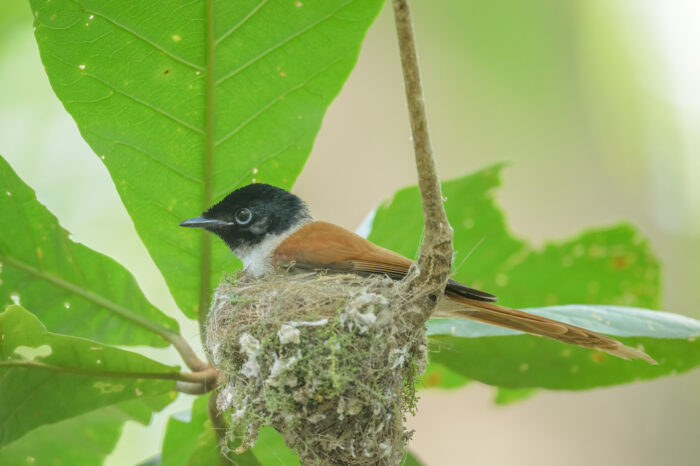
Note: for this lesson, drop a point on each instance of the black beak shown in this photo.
(201, 222)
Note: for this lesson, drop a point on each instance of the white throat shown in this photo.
(257, 259)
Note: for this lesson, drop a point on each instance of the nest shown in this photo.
(329, 361)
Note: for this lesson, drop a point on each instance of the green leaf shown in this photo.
(524, 361)
(506, 396)
(271, 450)
(185, 102)
(411, 460)
(73, 289)
(613, 265)
(85, 440)
(45, 378)
(439, 376)
(193, 442)
(182, 436)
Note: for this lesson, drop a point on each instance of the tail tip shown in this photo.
(626, 352)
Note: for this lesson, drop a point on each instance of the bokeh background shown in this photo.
(595, 103)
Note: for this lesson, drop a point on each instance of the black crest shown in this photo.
(251, 213)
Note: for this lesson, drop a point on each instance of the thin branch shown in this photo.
(193, 388)
(207, 377)
(187, 353)
(430, 276)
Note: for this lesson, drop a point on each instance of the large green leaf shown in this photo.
(182, 434)
(73, 289)
(45, 377)
(186, 101)
(83, 440)
(193, 442)
(507, 358)
(613, 265)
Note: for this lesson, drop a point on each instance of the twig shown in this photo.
(186, 352)
(193, 388)
(428, 279)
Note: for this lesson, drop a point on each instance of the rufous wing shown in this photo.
(325, 246)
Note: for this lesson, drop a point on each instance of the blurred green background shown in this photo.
(596, 103)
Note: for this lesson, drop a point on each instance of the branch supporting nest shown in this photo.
(429, 277)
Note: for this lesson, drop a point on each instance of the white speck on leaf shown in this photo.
(30, 354)
(106, 387)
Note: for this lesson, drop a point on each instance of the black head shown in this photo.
(249, 214)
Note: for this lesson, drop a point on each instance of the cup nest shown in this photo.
(329, 361)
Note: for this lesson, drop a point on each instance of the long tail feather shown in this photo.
(465, 308)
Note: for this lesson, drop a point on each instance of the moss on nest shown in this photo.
(327, 360)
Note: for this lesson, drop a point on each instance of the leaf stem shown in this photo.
(208, 175)
(191, 388)
(186, 352)
(204, 377)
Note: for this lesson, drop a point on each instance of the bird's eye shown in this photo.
(244, 216)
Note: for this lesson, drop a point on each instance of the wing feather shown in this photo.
(324, 246)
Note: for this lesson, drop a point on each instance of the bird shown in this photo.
(267, 227)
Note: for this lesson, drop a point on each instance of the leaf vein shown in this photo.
(277, 99)
(240, 23)
(142, 37)
(281, 43)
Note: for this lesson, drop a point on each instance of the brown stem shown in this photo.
(193, 388)
(187, 353)
(429, 278)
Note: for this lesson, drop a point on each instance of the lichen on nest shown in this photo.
(328, 360)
